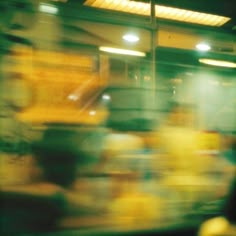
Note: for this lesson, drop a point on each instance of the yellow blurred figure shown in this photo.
(129, 206)
(178, 141)
(179, 146)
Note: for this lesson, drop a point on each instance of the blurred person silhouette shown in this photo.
(224, 225)
(62, 159)
(129, 204)
(178, 140)
(58, 154)
(53, 195)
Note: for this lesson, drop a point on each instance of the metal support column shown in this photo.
(153, 45)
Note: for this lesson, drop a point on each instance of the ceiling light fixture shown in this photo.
(220, 63)
(203, 47)
(122, 51)
(48, 8)
(131, 38)
(164, 12)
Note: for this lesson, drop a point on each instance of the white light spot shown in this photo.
(92, 113)
(47, 8)
(203, 47)
(131, 38)
(122, 51)
(220, 63)
(73, 97)
(106, 97)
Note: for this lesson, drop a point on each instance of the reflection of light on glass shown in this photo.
(73, 97)
(131, 38)
(122, 51)
(203, 47)
(218, 63)
(92, 113)
(106, 97)
(47, 8)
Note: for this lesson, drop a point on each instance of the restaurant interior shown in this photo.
(117, 117)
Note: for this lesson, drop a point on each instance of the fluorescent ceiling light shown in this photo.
(203, 47)
(131, 38)
(122, 51)
(47, 8)
(218, 63)
(164, 12)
